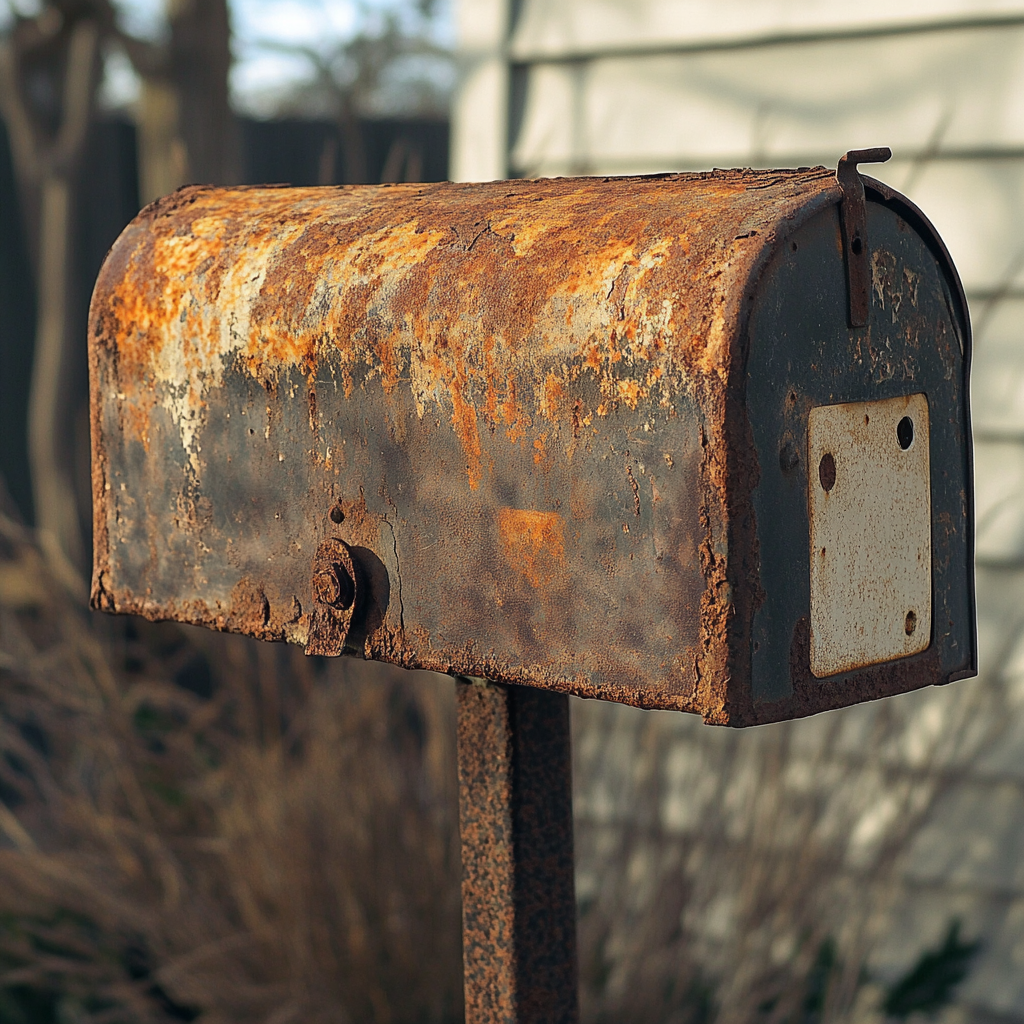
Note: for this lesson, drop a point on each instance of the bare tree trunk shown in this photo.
(50, 453)
(200, 65)
(163, 160)
(45, 169)
(187, 133)
(187, 130)
(355, 163)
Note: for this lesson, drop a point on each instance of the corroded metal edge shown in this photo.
(962, 318)
(733, 475)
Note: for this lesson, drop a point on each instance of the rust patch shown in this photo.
(267, 279)
(314, 424)
(533, 543)
(249, 610)
(337, 587)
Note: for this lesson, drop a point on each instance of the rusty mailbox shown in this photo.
(614, 437)
(696, 442)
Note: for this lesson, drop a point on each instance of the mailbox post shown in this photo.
(515, 820)
(696, 442)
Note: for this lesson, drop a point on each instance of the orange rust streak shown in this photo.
(540, 453)
(464, 421)
(518, 422)
(554, 396)
(490, 376)
(631, 392)
(533, 544)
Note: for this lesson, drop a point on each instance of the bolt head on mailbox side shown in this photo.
(614, 437)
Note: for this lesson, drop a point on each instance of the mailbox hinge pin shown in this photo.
(853, 218)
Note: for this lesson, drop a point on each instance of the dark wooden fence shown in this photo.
(293, 152)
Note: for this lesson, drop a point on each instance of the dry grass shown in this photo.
(200, 827)
(749, 877)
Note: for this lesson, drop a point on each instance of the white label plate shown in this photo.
(871, 552)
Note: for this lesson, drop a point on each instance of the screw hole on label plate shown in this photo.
(905, 432)
(857, 246)
(910, 624)
(827, 472)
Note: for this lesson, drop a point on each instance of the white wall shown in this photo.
(557, 87)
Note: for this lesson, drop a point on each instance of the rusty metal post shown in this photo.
(515, 818)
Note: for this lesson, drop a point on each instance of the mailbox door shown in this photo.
(844, 492)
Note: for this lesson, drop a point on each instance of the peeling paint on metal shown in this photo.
(526, 399)
(533, 543)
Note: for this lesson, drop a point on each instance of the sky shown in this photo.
(260, 72)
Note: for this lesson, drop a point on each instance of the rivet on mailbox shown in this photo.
(696, 442)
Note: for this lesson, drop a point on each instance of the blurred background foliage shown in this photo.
(107, 109)
(196, 826)
(200, 827)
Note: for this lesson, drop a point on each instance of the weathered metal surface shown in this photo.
(803, 356)
(856, 250)
(869, 504)
(515, 819)
(521, 406)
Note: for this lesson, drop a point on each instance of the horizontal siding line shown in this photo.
(628, 164)
(958, 771)
(993, 294)
(525, 58)
(979, 888)
(999, 435)
(1003, 564)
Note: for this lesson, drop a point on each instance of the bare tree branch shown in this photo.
(20, 131)
(79, 89)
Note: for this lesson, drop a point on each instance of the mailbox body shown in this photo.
(561, 428)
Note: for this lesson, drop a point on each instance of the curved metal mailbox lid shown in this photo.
(504, 429)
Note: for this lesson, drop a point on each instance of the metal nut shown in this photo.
(333, 586)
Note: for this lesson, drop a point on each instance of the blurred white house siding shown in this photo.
(916, 805)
